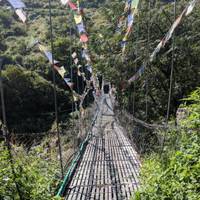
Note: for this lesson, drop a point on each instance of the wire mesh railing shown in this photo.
(43, 147)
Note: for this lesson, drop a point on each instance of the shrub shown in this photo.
(35, 174)
(176, 174)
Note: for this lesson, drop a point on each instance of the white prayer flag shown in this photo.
(21, 14)
(64, 2)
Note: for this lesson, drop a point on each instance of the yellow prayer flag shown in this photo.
(42, 48)
(125, 38)
(84, 45)
(78, 19)
(134, 4)
(82, 111)
(75, 98)
(62, 71)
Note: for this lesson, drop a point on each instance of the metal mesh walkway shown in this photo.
(110, 165)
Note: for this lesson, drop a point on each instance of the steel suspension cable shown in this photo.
(148, 54)
(136, 55)
(55, 92)
(74, 103)
(80, 93)
(172, 69)
(171, 83)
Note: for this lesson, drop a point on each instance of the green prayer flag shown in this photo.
(134, 4)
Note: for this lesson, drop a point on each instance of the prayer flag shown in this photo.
(81, 28)
(76, 61)
(89, 68)
(47, 53)
(78, 19)
(16, 4)
(173, 27)
(134, 4)
(162, 43)
(64, 2)
(74, 55)
(86, 55)
(21, 14)
(190, 7)
(83, 38)
(72, 5)
(157, 49)
(130, 19)
(62, 71)
(68, 82)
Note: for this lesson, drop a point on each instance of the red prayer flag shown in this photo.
(83, 38)
(72, 5)
(56, 67)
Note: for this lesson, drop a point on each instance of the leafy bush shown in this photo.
(176, 175)
(29, 100)
(35, 174)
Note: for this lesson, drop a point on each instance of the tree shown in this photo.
(30, 101)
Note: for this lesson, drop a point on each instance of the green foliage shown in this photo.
(29, 95)
(118, 69)
(27, 74)
(35, 171)
(29, 100)
(176, 174)
(193, 120)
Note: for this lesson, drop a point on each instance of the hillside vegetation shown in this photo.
(171, 169)
(176, 173)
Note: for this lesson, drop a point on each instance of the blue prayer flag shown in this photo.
(16, 4)
(130, 19)
(80, 28)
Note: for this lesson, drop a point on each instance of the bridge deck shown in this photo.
(110, 165)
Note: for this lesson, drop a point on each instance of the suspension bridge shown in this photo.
(109, 167)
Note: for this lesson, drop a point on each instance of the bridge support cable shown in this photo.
(172, 68)
(74, 104)
(6, 133)
(55, 92)
(171, 80)
(148, 55)
(135, 70)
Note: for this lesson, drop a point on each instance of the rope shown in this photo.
(145, 124)
(55, 92)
